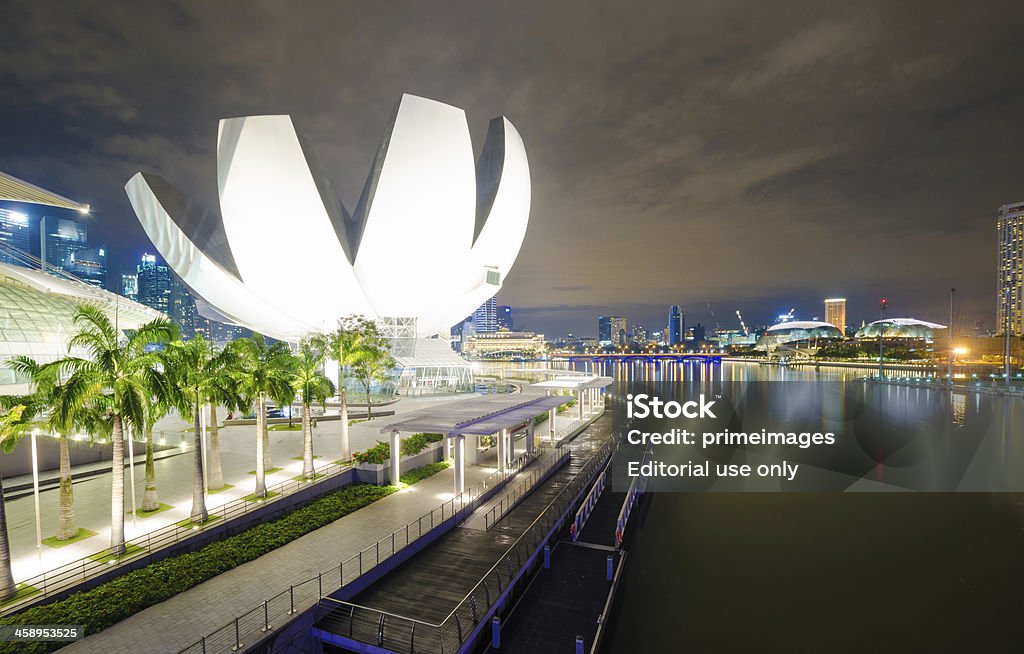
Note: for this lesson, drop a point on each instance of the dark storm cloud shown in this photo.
(751, 155)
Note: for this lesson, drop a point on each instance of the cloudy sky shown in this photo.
(749, 155)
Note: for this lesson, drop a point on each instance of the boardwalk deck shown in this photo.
(430, 586)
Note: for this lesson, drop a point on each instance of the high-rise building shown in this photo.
(154, 283)
(14, 233)
(676, 325)
(1010, 299)
(59, 238)
(89, 265)
(130, 286)
(505, 317)
(638, 334)
(611, 330)
(835, 313)
(485, 318)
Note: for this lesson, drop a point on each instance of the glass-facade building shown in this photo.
(154, 283)
(676, 325)
(14, 233)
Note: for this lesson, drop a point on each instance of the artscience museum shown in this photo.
(432, 235)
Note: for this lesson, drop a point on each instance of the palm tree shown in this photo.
(345, 344)
(47, 398)
(311, 385)
(117, 379)
(264, 372)
(196, 372)
(221, 396)
(159, 405)
(374, 363)
(12, 427)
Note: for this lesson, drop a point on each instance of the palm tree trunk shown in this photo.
(267, 464)
(7, 586)
(199, 513)
(346, 450)
(117, 547)
(150, 499)
(307, 442)
(261, 484)
(215, 478)
(66, 527)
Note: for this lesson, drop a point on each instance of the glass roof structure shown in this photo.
(18, 190)
(37, 311)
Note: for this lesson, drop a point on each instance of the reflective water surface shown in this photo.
(831, 572)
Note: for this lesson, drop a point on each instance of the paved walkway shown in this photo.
(180, 621)
(174, 484)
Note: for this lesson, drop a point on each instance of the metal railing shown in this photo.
(277, 610)
(139, 547)
(523, 486)
(407, 635)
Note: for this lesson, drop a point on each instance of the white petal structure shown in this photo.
(432, 237)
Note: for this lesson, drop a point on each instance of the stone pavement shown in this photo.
(174, 484)
(183, 619)
(180, 621)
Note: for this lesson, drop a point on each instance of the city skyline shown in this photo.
(661, 151)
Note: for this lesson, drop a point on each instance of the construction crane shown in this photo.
(718, 327)
(746, 332)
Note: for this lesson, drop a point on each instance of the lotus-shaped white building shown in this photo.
(431, 237)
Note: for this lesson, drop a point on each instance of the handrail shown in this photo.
(362, 561)
(544, 522)
(259, 619)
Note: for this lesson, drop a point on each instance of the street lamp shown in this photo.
(882, 306)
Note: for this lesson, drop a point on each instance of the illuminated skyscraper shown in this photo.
(505, 317)
(130, 286)
(835, 313)
(611, 330)
(89, 265)
(485, 318)
(59, 238)
(1010, 294)
(14, 233)
(154, 283)
(676, 325)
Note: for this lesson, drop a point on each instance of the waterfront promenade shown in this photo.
(182, 620)
(174, 484)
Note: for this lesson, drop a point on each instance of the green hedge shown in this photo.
(421, 473)
(381, 452)
(132, 592)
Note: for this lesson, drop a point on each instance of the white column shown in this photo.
(531, 442)
(551, 423)
(35, 494)
(506, 438)
(460, 464)
(501, 450)
(396, 457)
(579, 403)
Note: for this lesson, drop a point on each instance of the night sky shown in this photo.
(758, 156)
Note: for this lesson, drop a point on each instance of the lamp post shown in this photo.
(882, 306)
(952, 351)
(1006, 343)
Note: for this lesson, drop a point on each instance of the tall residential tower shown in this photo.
(835, 313)
(1009, 292)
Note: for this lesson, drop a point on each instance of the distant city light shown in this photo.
(960, 351)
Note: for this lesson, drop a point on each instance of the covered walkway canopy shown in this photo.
(478, 416)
